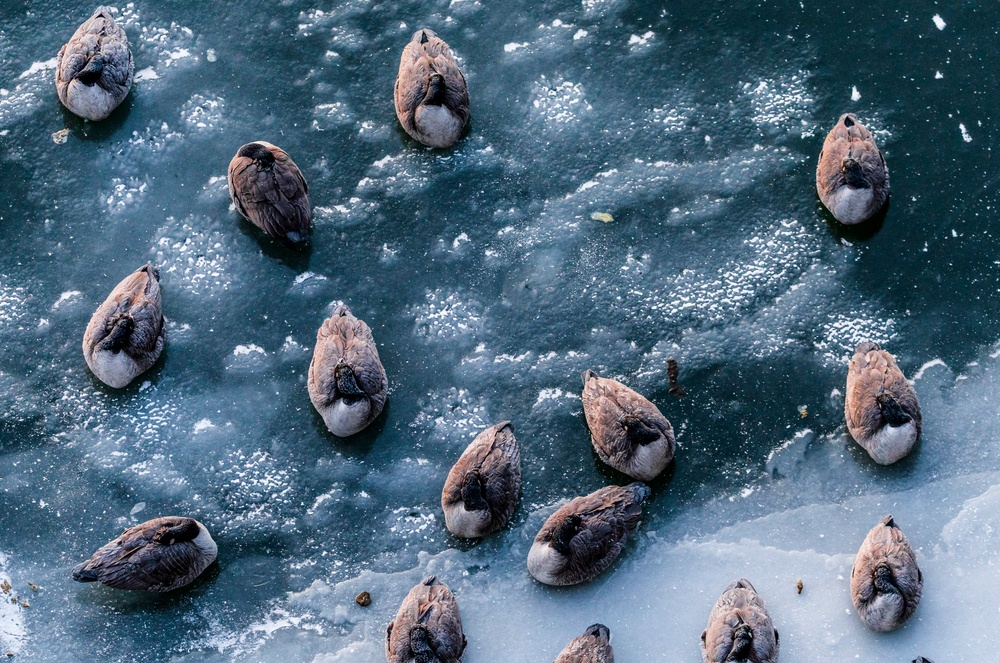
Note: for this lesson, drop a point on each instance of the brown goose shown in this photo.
(594, 646)
(427, 628)
(480, 494)
(886, 583)
(582, 538)
(268, 189)
(739, 628)
(881, 407)
(94, 69)
(432, 100)
(628, 431)
(851, 178)
(347, 384)
(159, 555)
(125, 335)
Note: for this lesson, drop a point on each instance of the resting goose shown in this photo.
(126, 333)
(584, 537)
(881, 407)
(427, 628)
(481, 491)
(594, 646)
(268, 189)
(851, 178)
(886, 583)
(347, 384)
(159, 555)
(94, 69)
(628, 432)
(739, 628)
(432, 100)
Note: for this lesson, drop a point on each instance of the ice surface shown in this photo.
(489, 287)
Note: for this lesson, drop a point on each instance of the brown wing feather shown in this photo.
(274, 199)
(608, 515)
(496, 455)
(136, 561)
(431, 604)
(872, 372)
(416, 65)
(347, 339)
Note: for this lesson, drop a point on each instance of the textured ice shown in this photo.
(448, 316)
(784, 103)
(203, 113)
(13, 633)
(558, 102)
(192, 255)
(126, 194)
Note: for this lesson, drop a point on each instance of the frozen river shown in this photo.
(489, 287)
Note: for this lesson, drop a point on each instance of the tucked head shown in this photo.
(423, 36)
(257, 152)
(599, 631)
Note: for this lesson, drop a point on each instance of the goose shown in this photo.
(94, 69)
(921, 659)
(628, 432)
(432, 100)
(594, 646)
(851, 178)
(886, 583)
(125, 335)
(739, 629)
(481, 491)
(347, 384)
(159, 555)
(881, 407)
(582, 538)
(268, 189)
(427, 628)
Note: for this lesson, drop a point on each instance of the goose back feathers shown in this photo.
(881, 407)
(594, 646)
(851, 178)
(427, 628)
(268, 189)
(347, 383)
(94, 69)
(125, 335)
(739, 629)
(480, 494)
(886, 583)
(628, 432)
(584, 537)
(157, 556)
(432, 99)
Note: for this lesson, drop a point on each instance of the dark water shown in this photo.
(489, 288)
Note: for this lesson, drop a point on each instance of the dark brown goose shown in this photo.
(432, 99)
(268, 189)
(584, 537)
(594, 646)
(481, 491)
(739, 628)
(427, 628)
(159, 555)
(886, 582)
(125, 335)
(851, 178)
(94, 69)
(628, 432)
(881, 407)
(347, 384)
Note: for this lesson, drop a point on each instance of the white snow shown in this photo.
(938, 21)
